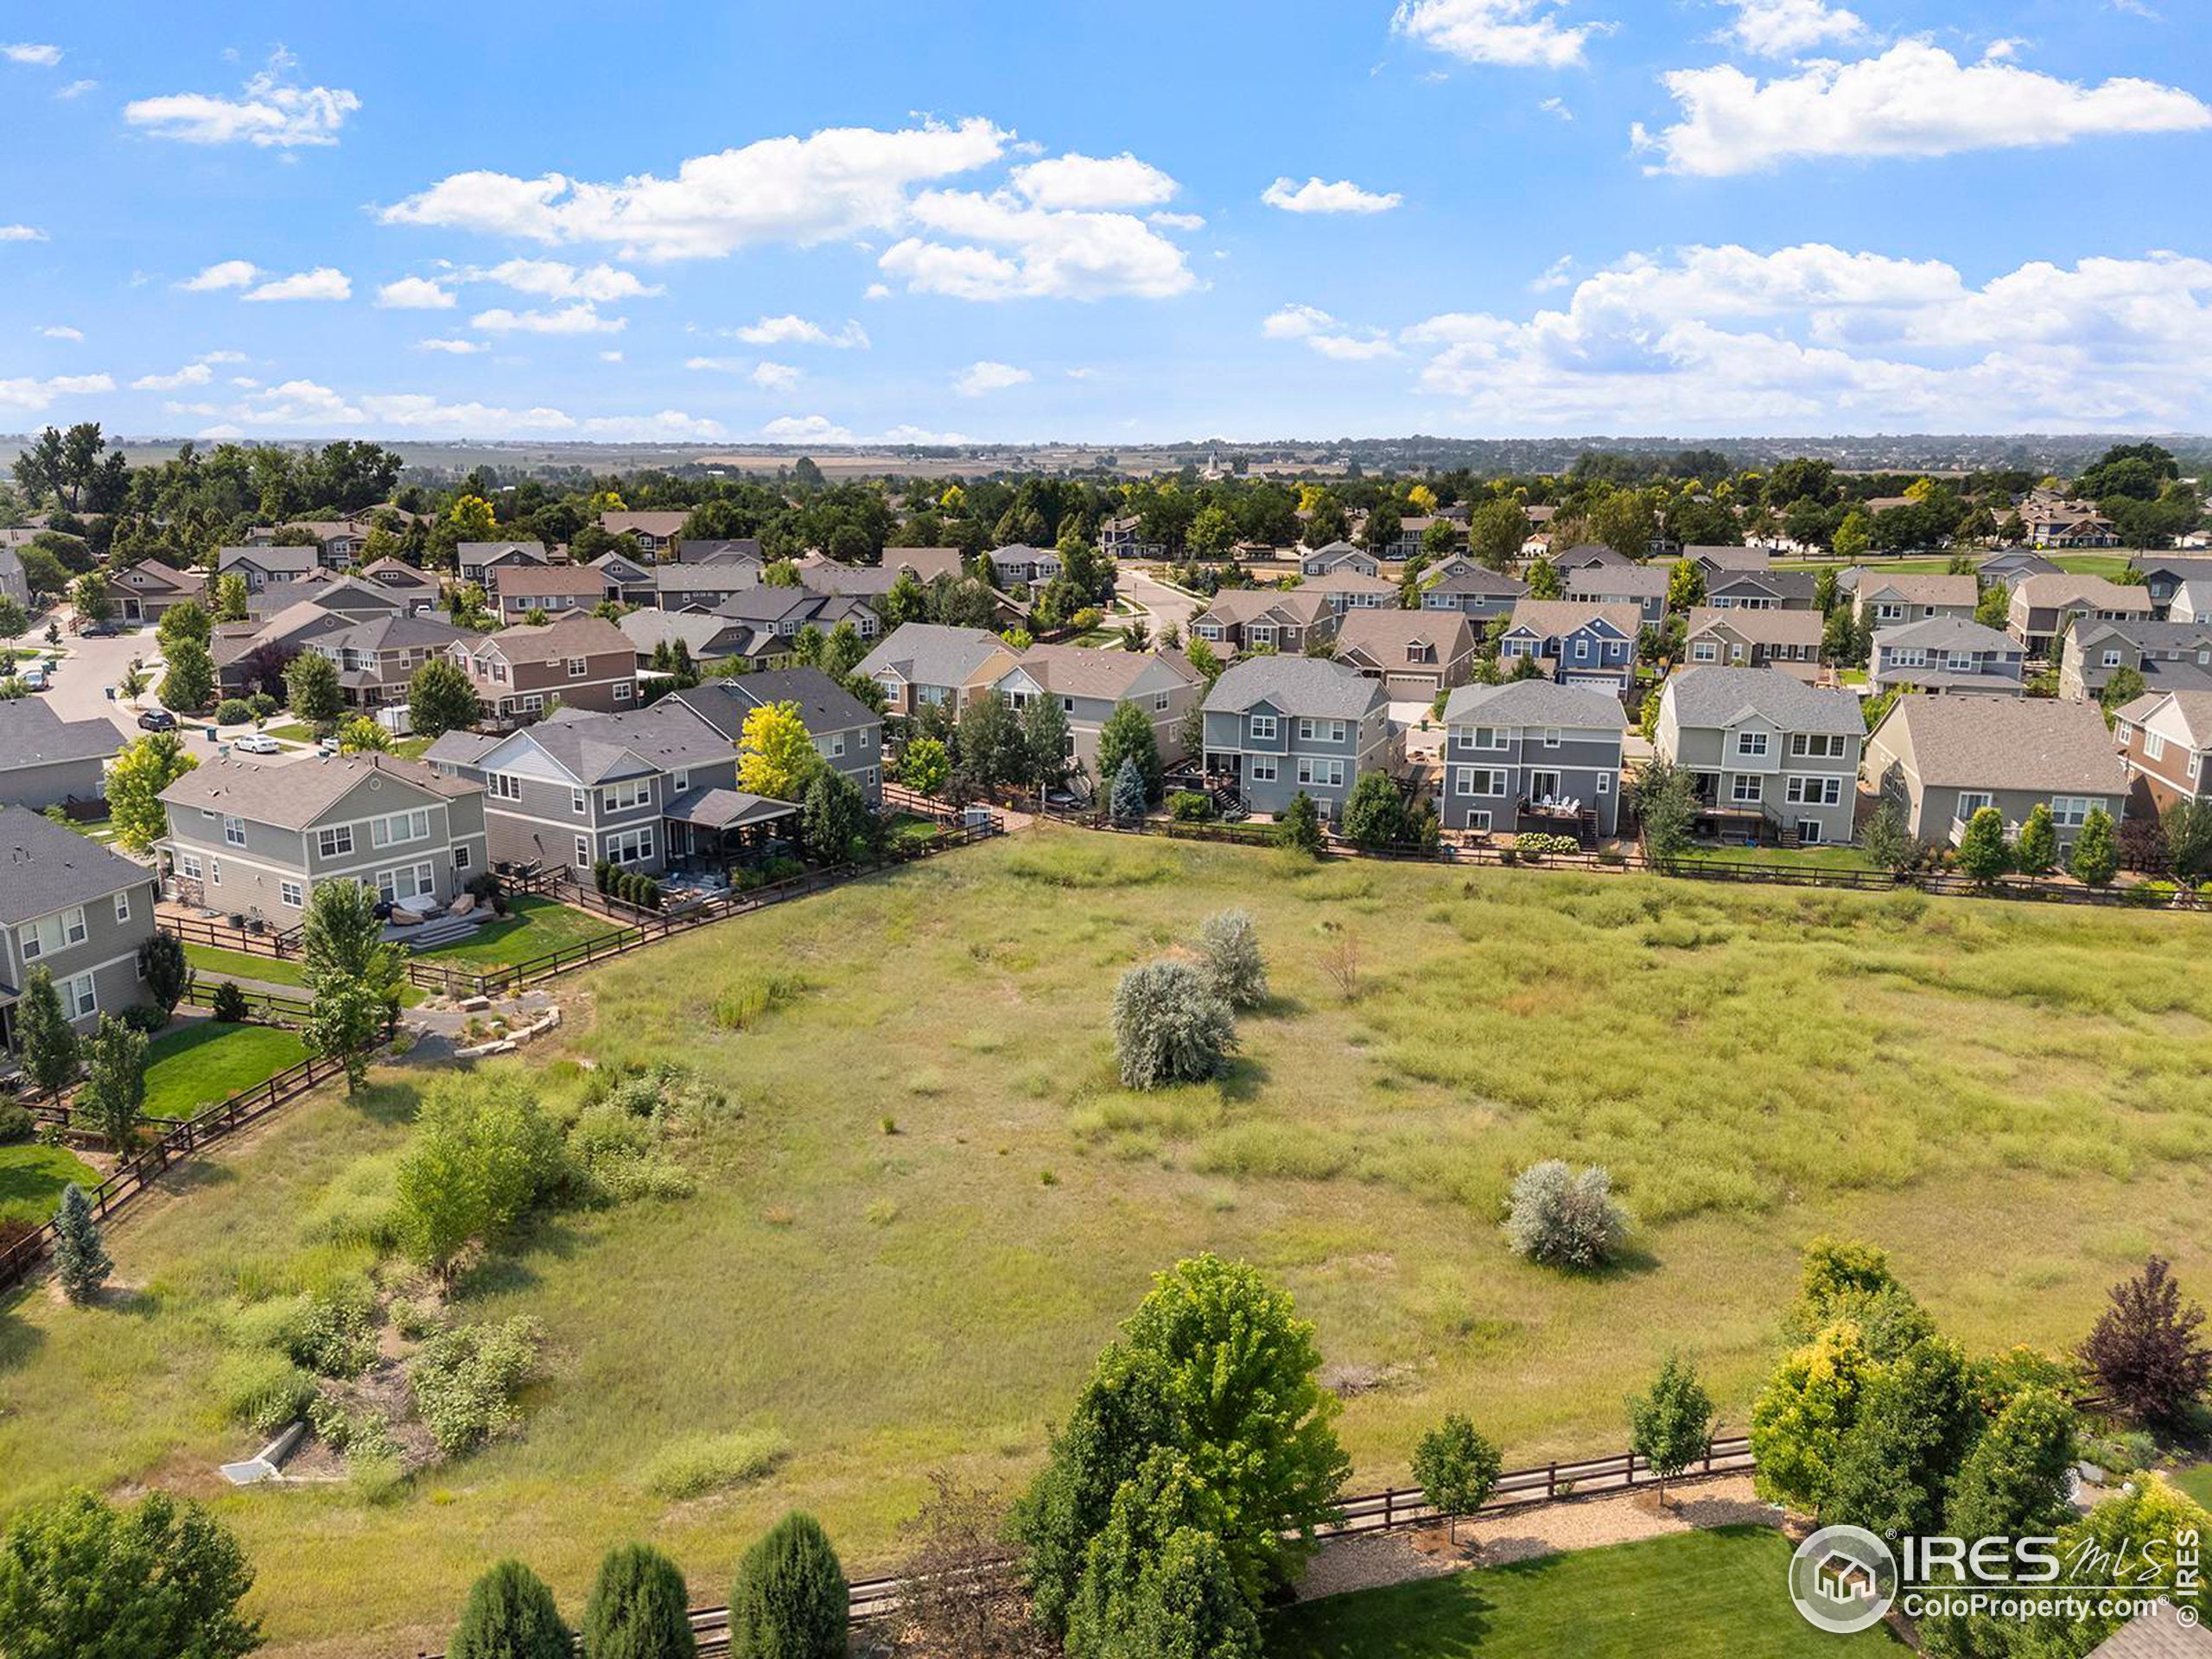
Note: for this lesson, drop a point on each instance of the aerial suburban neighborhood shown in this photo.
(1388, 837)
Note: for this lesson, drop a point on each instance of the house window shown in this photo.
(532, 703)
(1705, 652)
(400, 827)
(290, 893)
(1159, 702)
(234, 832)
(1551, 737)
(1479, 780)
(51, 933)
(1747, 788)
(187, 865)
(2068, 811)
(1326, 774)
(2111, 659)
(78, 997)
(583, 851)
(631, 846)
(460, 856)
(335, 843)
(1971, 802)
(1261, 727)
(1817, 746)
(1604, 783)
(2154, 748)
(683, 782)
(1261, 769)
(836, 746)
(1751, 745)
(578, 667)
(622, 690)
(506, 786)
(580, 800)
(1812, 791)
(625, 797)
(123, 906)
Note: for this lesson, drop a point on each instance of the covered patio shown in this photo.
(716, 829)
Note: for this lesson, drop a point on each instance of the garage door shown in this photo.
(1410, 685)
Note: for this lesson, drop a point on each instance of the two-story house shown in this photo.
(1769, 752)
(1278, 727)
(1337, 555)
(2166, 742)
(924, 665)
(15, 582)
(146, 591)
(1350, 590)
(377, 659)
(1476, 592)
(2173, 654)
(580, 662)
(775, 617)
(721, 550)
(685, 587)
(1021, 566)
(1883, 598)
(551, 590)
(1533, 755)
(628, 581)
(2043, 608)
(1944, 758)
(254, 838)
(1414, 654)
(1788, 640)
(658, 534)
(1123, 538)
(1265, 619)
(338, 541)
(1573, 641)
(46, 760)
(1641, 586)
(847, 733)
(2009, 567)
(416, 590)
(1090, 685)
(486, 563)
(265, 565)
(1760, 590)
(2165, 573)
(1948, 653)
(71, 906)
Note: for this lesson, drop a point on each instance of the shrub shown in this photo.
(602, 875)
(233, 711)
(145, 1018)
(689, 1468)
(509, 1614)
(229, 1004)
(263, 705)
(1299, 827)
(638, 1608)
(16, 1124)
(1565, 1219)
(790, 1600)
(465, 1381)
(1169, 1026)
(1188, 806)
(1229, 958)
(264, 1390)
(2144, 1351)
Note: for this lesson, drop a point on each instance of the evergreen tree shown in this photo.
(1128, 803)
(1299, 826)
(1126, 734)
(2095, 858)
(168, 974)
(638, 1608)
(80, 1259)
(511, 1614)
(45, 1040)
(790, 1600)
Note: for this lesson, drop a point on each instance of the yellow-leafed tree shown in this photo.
(775, 756)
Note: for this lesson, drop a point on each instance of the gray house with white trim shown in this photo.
(1532, 755)
(1770, 754)
(1280, 726)
(46, 760)
(71, 906)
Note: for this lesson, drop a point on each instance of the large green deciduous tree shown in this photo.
(82, 1579)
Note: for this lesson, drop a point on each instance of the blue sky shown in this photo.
(1002, 221)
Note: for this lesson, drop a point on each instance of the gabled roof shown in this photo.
(1947, 634)
(1760, 627)
(2054, 590)
(697, 629)
(1535, 703)
(32, 734)
(927, 562)
(268, 557)
(929, 653)
(1720, 697)
(1547, 618)
(1634, 580)
(1920, 587)
(571, 636)
(1586, 553)
(597, 749)
(1348, 582)
(461, 748)
(2191, 712)
(45, 867)
(492, 552)
(1311, 687)
(396, 573)
(1233, 606)
(1383, 636)
(1730, 558)
(1076, 671)
(824, 704)
(553, 581)
(2028, 743)
(292, 795)
(1480, 579)
(1780, 584)
(661, 525)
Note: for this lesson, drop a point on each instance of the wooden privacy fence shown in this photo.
(1392, 1510)
(19, 1258)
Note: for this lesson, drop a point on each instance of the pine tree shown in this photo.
(80, 1259)
(638, 1608)
(1299, 827)
(790, 1599)
(511, 1614)
(1129, 798)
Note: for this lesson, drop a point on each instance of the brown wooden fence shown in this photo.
(1391, 1510)
(19, 1258)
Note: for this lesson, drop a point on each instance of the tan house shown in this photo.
(580, 662)
(2045, 607)
(1944, 758)
(1253, 619)
(1884, 600)
(656, 533)
(924, 665)
(1788, 640)
(1413, 653)
(145, 592)
(554, 589)
(1091, 684)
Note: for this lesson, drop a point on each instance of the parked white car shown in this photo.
(258, 743)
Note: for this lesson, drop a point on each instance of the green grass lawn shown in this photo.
(2009, 1098)
(533, 928)
(1721, 1593)
(32, 1177)
(2111, 566)
(195, 1066)
(2197, 1483)
(208, 960)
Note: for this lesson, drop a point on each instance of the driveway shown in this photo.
(81, 687)
(1163, 606)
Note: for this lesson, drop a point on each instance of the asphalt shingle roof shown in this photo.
(293, 794)
(45, 867)
(1310, 686)
(32, 734)
(2030, 743)
(1946, 633)
(1535, 703)
(824, 704)
(1717, 696)
(929, 653)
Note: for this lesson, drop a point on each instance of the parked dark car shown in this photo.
(158, 720)
(98, 631)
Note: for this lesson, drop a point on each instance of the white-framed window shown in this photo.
(578, 667)
(506, 786)
(336, 842)
(1812, 791)
(1752, 746)
(2070, 812)
(408, 882)
(460, 856)
(1262, 769)
(79, 997)
(1809, 831)
(1478, 781)
(631, 846)
(290, 893)
(233, 832)
(532, 703)
(1479, 820)
(583, 850)
(56, 932)
(1605, 784)
(1261, 728)
(1325, 774)
(625, 797)
(2111, 659)
(1551, 737)
(683, 782)
(398, 828)
(1704, 650)
(1888, 611)
(2154, 745)
(123, 905)
(1747, 788)
(1817, 746)
(1971, 802)
(837, 749)
(189, 865)
(622, 690)
(1159, 702)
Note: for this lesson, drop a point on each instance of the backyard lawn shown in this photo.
(268, 970)
(2197, 1483)
(1721, 1593)
(930, 1201)
(197, 1064)
(533, 928)
(32, 1177)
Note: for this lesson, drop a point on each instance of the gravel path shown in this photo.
(1522, 1534)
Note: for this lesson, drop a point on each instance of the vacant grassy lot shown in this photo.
(2013, 1100)
(199, 1065)
(1718, 1594)
(32, 1177)
(533, 928)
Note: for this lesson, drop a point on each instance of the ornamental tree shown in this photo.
(1670, 1425)
(790, 1600)
(1457, 1469)
(114, 1095)
(1126, 734)
(189, 683)
(311, 690)
(2144, 1350)
(2095, 858)
(440, 698)
(776, 756)
(1801, 1417)
(46, 1042)
(511, 1614)
(638, 1608)
(1982, 852)
(136, 779)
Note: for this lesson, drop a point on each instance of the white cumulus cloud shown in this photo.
(1002, 247)
(61, 331)
(227, 273)
(43, 57)
(979, 378)
(192, 374)
(22, 233)
(32, 394)
(551, 279)
(1914, 99)
(578, 319)
(1518, 34)
(1324, 335)
(799, 331)
(1092, 182)
(415, 294)
(775, 377)
(321, 284)
(1317, 196)
(1783, 28)
(805, 428)
(452, 347)
(272, 112)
